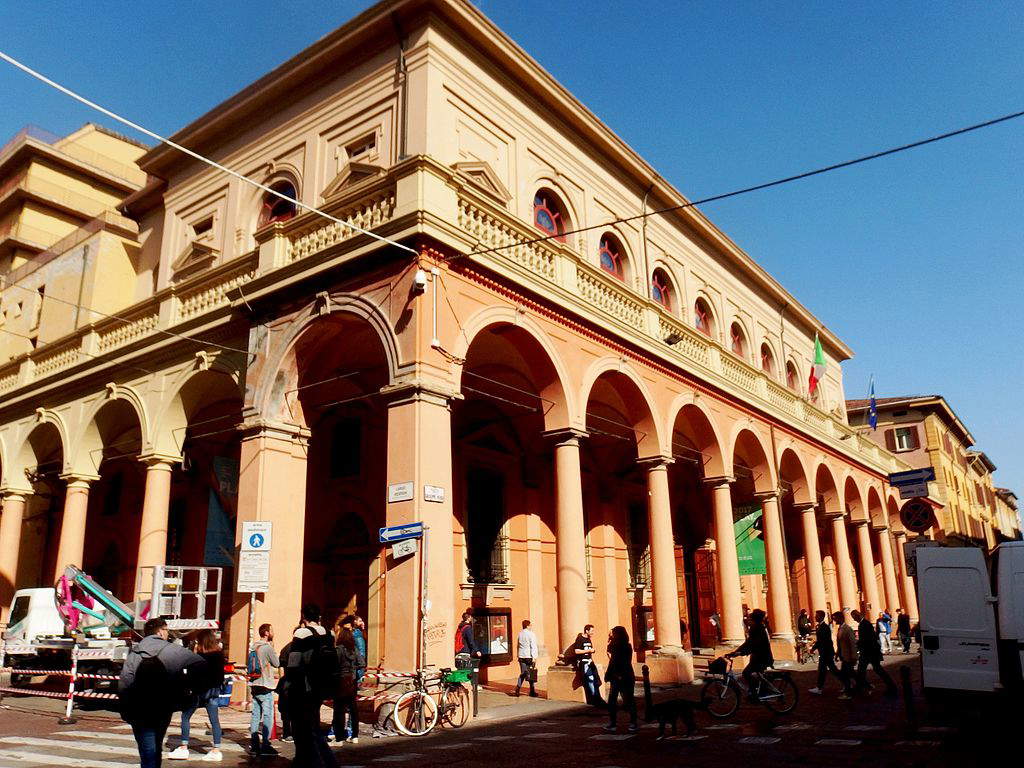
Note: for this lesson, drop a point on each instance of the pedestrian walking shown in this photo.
(826, 657)
(903, 629)
(310, 674)
(266, 662)
(846, 643)
(527, 652)
(586, 668)
(345, 703)
(883, 626)
(154, 684)
(803, 623)
(621, 678)
(209, 648)
(870, 655)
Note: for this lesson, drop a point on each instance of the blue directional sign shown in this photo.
(256, 541)
(912, 476)
(401, 532)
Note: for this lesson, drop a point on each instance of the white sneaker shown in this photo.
(181, 753)
(816, 691)
(213, 756)
(354, 740)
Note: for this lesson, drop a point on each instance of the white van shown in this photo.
(963, 647)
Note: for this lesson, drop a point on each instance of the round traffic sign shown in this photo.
(256, 540)
(917, 516)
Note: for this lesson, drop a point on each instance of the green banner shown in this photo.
(749, 540)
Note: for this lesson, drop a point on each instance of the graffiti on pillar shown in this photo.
(436, 634)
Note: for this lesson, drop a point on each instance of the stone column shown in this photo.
(570, 543)
(71, 545)
(272, 488)
(418, 620)
(10, 543)
(812, 558)
(779, 614)
(155, 511)
(868, 583)
(664, 589)
(730, 606)
(892, 597)
(841, 552)
(907, 588)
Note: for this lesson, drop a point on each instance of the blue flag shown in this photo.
(873, 407)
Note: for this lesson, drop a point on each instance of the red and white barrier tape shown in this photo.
(17, 671)
(30, 692)
(94, 695)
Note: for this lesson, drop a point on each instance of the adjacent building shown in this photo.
(588, 411)
(924, 431)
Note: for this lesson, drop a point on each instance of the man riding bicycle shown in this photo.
(758, 647)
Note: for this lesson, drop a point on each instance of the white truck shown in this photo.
(972, 618)
(45, 623)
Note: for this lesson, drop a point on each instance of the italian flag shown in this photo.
(818, 369)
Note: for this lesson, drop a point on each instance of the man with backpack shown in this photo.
(310, 676)
(261, 669)
(155, 683)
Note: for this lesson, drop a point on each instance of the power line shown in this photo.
(113, 115)
(757, 187)
(80, 351)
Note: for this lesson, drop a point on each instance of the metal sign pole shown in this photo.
(424, 601)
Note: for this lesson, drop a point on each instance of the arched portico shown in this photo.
(870, 602)
(800, 524)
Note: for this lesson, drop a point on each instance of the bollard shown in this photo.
(476, 682)
(68, 719)
(908, 698)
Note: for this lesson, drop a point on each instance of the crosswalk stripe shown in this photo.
(93, 747)
(38, 758)
(227, 746)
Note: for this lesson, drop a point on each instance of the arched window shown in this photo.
(737, 340)
(661, 289)
(792, 377)
(703, 320)
(275, 208)
(613, 259)
(767, 360)
(549, 214)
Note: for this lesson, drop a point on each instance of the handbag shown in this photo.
(532, 676)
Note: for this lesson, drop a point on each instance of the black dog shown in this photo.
(669, 711)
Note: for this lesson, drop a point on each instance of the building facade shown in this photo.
(924, 431)
(581, 414)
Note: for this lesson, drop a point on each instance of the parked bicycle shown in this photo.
(723, 691)
(805, 651)
(417, 711)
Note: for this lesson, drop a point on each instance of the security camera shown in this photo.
(419, 281)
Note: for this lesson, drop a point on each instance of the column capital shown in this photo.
(157, 461)
(899, 534)
(767, 495)
(833, 514)
(18, 494)
(859, 523)
(716, 482)
(879, 527)
(254, 428)
(655, 462)
(413, 390)
(567, 435)
(803, 506)
(78, 479)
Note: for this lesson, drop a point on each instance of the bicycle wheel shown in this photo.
(415, 713)
(784, 698)
(457, 706)
(719, 698)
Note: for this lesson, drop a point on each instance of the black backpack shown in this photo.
(155, 693)
(325, 669)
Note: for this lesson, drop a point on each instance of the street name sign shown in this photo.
(257, 535)
(433, 493)
(399, 532)
(911, 476)
(401, 492)
(913, 491)
(253, 571)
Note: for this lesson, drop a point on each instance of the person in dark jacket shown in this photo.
(758, 647)
(870, 655)
(903, 629)
(826, 655)
(803, 622)
(304, 690)
(209, 648)
(620, 677)
(345, 697)
(582, 656)
(466, 641)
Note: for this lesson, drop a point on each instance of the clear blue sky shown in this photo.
(914, 260)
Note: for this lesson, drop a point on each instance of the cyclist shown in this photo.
(758, 647)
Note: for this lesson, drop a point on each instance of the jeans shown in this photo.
(588, 674)
(625, 689)
(150, 739)
(346, 705)
(262, 712)
(848, 672)
(214, 714)
(525, 667)
(311, 750)
(905, 639)
(883, 639)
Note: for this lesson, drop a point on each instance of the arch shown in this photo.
(793, 475)
(563, 411)
(826, 490)
(749, 449)
(635, 400)
(550, 214)
(892, 509)
(4, 463)
(767, 360)
(190, 392)
(793, 376)
(546, 180)
(273, 208)
(739, 343)
(694, 423)
(663, 289)
(85, 452)
(704, 316)
(44, 439)
(853, 499)
(613, 257)
(338, 304)
(875, 510)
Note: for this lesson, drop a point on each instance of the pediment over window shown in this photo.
(196, 257)
(350, 175)
(483, 177)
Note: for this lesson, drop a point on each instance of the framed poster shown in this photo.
(492, 631)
